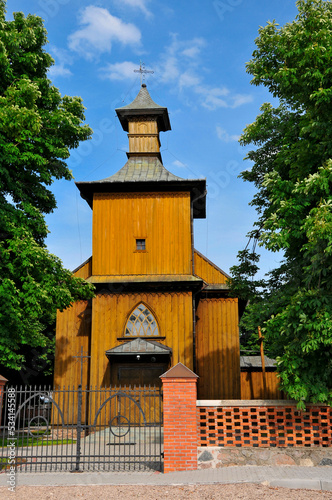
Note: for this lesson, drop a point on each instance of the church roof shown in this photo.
(144, 174)
(144, 102)
(256, 362)
(142, 169)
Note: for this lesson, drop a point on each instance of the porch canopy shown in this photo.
(139, 350)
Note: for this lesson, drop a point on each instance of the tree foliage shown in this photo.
(292, 171)
(38, 127)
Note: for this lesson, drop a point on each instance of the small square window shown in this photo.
(140, 244)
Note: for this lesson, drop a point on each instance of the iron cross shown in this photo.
(82, 357)
(142, 71)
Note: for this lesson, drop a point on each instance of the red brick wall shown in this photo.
(264, 426)
(2, 393)
(180, 424)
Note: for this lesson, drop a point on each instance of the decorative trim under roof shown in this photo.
(139, 346)
(145, 106)
(145, 278)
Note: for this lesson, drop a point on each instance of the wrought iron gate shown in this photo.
(107, 429)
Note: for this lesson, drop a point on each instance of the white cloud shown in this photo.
(215, 97)
(178, 55)
(99, 31)
(221, 97)
(188, 79)
(138, 4)
(178, 163)
(225, 136)
(119, 71)
(59, 70)
(240, 99)
(196, 45)
(62, 58)
(180, 67)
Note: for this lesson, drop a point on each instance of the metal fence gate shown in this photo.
(107, 429)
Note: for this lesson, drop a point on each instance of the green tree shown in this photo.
(38, 127)
(292, 171)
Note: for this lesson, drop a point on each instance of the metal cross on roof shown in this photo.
(142, 71)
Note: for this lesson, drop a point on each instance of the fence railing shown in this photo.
(117, 428)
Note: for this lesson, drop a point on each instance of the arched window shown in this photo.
(141, 323)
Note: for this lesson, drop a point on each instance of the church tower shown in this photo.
(152, 287)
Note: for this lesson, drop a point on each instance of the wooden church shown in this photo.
(158, 300)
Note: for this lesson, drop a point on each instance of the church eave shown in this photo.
(197, 187)
(160, 113)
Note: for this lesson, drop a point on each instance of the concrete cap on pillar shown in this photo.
(179, 371)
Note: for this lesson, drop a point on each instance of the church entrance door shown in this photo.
(138, 376)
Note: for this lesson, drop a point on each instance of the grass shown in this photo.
(5, 465)
(39, 439)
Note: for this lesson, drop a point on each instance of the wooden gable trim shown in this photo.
(84, 270)
(209, 264)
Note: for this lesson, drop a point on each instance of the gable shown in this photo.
(208, 271)
(84, 270)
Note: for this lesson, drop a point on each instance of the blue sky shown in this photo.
(197, 50)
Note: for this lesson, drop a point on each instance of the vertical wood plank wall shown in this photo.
(85, 270)
(173, 312)
(162, 219)
(72, 332)
(143, 136)
(252, 386)
(207, 270)
(73, 327)
(217, 349)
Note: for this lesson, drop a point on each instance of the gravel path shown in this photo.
(190, 492)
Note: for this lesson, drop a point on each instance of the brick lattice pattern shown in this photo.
(264, 426)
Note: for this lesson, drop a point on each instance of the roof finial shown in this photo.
(142, 71)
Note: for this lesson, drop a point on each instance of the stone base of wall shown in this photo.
(215, 457)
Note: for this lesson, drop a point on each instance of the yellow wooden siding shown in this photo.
(162, 219)
(252, 386)
(173, 311)
(207, 271)
(84, 271)
(72, 332)
(217, 349)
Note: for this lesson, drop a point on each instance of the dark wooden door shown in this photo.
(143, 375)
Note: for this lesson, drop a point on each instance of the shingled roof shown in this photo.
(143, 101)
(256, 362)
(142, 169)
(139, 346)
(146, 173)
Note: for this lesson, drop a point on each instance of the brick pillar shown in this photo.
(3, 381)
(180, 425)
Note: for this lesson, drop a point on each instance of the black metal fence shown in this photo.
(106, 429)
